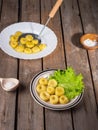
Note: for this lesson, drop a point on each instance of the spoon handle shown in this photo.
(51, 14)
(55, 8)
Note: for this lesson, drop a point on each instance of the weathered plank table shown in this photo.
(18, 111)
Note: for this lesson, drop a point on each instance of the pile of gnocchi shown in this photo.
(26, 44)
(49, 91)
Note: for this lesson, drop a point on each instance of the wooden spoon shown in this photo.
(9, 84)
(51, 15)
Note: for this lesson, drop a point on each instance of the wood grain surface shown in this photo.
(55, 120)
(8, 68)
(79, 59)
(18, 110)
(30, 114)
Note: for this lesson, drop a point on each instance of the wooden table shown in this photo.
(18, 111)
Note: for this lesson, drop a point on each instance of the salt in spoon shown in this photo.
(9, 84)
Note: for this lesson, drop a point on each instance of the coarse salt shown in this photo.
(90, 43)
(9, 85)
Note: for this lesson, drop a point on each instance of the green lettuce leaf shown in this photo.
(72, 83)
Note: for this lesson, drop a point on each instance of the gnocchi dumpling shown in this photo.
(44, 96)
(53, 94)
(29, 37)
(35, 49)
(23, 41)
(18, 33)
(50, 90)
(35, 41)
(19, 48)
(54, 99)
(42, 46)
(52, 82)
(43, 81)
(27, 44)
(40, 88)
(14, 44)
(27, 50)
(59, 91)
(63, 99)
(13, 38)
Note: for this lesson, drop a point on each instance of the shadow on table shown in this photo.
(22, 88)
(76, 40)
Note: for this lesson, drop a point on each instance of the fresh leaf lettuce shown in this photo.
(72, 83)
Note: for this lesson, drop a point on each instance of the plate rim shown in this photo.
(47, 51)
(63, 108)
(50, 107)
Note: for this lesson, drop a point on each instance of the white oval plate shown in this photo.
(48, 37)
(36, 97)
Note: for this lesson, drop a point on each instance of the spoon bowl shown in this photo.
(9, 84)
(35, 36)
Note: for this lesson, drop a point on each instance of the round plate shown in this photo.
(36, 97)
(48, 37)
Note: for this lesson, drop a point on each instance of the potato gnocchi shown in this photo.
(49, 91)
(27, 45)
